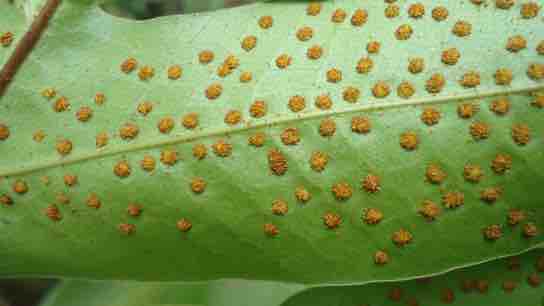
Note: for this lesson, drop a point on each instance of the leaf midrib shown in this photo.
(285, 119)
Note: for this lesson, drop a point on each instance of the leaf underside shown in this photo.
(467, 287)
(80, 56)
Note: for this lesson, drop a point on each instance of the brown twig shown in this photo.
(25, 45)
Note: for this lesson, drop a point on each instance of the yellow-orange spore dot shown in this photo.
(126, 228)
(206, 56)
(381, 89)
(148, 163)
(198, 185)
(297, 103)
(70, 180)
(479, 130)
(249, 43)
(233, 117)
(134, 210)
(359, 17)
(146, 73)
(314, 52)
(279, 207)
(535, 71)
(49, 93)
(190, 120)
(184, 225)
(416, 65)
(372, 216)
(521, 134)
(258, 109)
(405, 90)
(283, 61)
(402, 237)
(122, 169)
(323, 102)
(6, 200)
(246, 77)
(429, 210)
(223, 70)
(4, 132)
(144, 108)
(129, 131)
(342, 191)
(99, 99)
(277, 162)
(302, 194)
(38, 136)
(213, 91)
(52, 212)
(501, 163)
(492, 232)
(529, 10)
(351, 94)
(174, 72)
(200, 151)
(490, 194)
(290, 136)
(540, 48)
(101, 140)
(257, 139)
(462, 28)
(530, 230)
(166, 125)
(313, 9)
(371, 183)
(64, 147)
(169, 157)
(447, 296)
(266, 22)
(503, 76)
(129, 65)
(332, 220)
(534, 280)
(381, 258)
(360, 125)
(338, 16)
(270, 230)
(453, 199)
(305, 33)
(435, 83)
(504, 4)
(392, 11)
(470, 79)
(84, 114)
(409, 140)
(93, 201)
(473, 173)
(327, 127)
(404, 32)
(430, 116)
(222, 148)
(20, 187)
(416, 10)
(319, 160)
(516, 43)
(450, 56)
(364, 65)
(435, 174)
(440, 13)
(500, 106)
(515, 216)
(538, 101)
(6, 39)
(334, 75)
(467, 110)
(61, 104)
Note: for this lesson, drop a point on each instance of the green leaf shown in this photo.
(80, 54)
(462, 282)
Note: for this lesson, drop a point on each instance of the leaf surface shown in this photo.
(80, 55)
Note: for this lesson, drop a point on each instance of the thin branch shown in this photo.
(26, 44)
